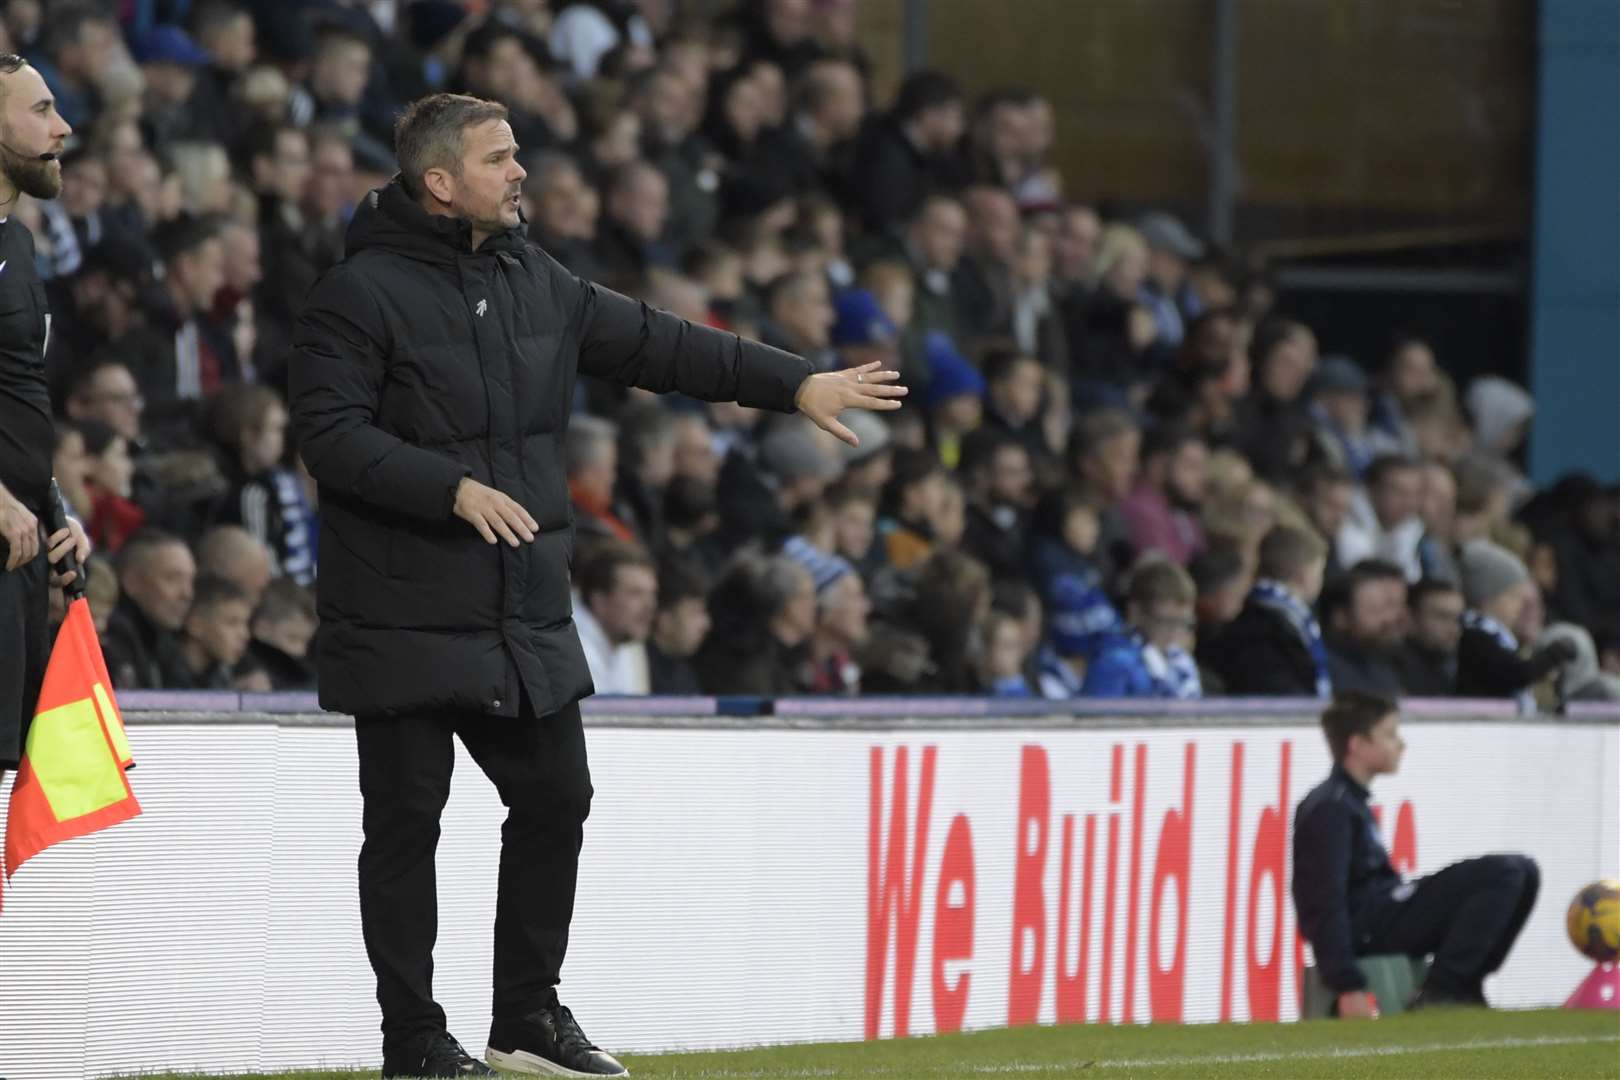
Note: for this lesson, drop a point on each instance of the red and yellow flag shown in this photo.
(71, 781)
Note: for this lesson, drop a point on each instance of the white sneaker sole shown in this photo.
(520, 1061)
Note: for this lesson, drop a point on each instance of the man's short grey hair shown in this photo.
(583, 445)
(428, 134)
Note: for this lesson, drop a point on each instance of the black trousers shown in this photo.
(1468, 915)
(25, 610)
(538, 766)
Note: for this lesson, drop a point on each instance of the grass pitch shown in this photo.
(1465, 1044)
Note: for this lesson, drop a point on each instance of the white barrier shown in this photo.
(745, 885)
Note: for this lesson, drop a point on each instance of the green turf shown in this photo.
(1466, 1044)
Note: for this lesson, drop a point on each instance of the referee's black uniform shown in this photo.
(27, 445)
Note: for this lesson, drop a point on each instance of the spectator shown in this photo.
(1436, 551)
(1223, 580)
(1065, 532)
(801, 317)
(952, 598)
(1387, 524)
(591, 458)
(854, 527)
(232, 553)
(1074, 249)
(1104, 451)
(1035, 323)
(678, 629)
(636, 206)
(1273, 427)
(1580, 680)
(1408, 376)
(186, 366)
(109, 483)
(1274, 647)
(561, 212)
(1170, 249)
(1497, 588)
(79, 41)
(1365, 613)
(670, 108)
(867, 467)
(1000, 493)
(283, 626)
(911, 503)
(1587, 544)
(1015, 385)
(934, 236)
(841, 611)
(954, 398)
(862, 331)
(646, 464)
(107, 393)
(904, 156)
(809, 152)
(984, 276)
(618, 597)
(265, 497)
(1427, 662)
(1109, 330)
(141, 644)
(1153, 659)
(1006, 651)
(1338, 395)
(761, 493)
(691, 518)
(70, 465)
(215, 635)
(1161, 512)
(763, 612)
(1327, 495)
(1501, 411)
(587, 31)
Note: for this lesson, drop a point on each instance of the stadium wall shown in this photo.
(831, 872)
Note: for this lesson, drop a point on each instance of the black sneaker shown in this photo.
(548, 1043)
(441, 1056)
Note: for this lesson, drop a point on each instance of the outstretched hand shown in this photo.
(822, 397)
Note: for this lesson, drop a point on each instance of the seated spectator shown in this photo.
(932, 245)
(1365, 614)
(1427, 661)
(763, 612)
(854, 528)
(1386, 524)
(867, 467)
(678, 629)
(907, 153)
(1327, 494)
(1064, 536)
(1161, 512)
(1338, 410)
(232, 553)
(762, 491)
(1109, 332)
(800, 317)
(265, 498)
(1587, 543)
(646, 463)
(1501, 411)
(1497, 588)
(1274, 647)
(109, 482)
(1581, 679)
(156, 575)
(1152, 659)
(105, 391)
(863, 333)
(1437, 550)
(954, 399)
(1000, 494)
(636, 205)
(1170, 249)
(1015, 386)
(1351, 901)
(841, 611)
(591, 459)
(691, 519)
(1407, 376)
(951, 598)
(911, 503)
(1104, 452)
(618, 596)
(1273, 427)
(283, 628)
(215, 635)
(1002, 661)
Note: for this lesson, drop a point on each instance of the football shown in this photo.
(1594, 920)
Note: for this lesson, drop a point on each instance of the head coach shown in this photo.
(431, 382)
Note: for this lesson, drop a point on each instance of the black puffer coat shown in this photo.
(418, 361)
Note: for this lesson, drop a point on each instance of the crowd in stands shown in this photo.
(1123, 471)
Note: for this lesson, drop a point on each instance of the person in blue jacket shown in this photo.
(1153, 657)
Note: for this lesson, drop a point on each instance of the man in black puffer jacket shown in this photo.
(431, 379)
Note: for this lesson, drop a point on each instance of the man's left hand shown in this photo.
(822, 397)
(60, 543)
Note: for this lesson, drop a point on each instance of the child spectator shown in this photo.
(1274, 646)
(266, 499)
(1001, 662)
(1350, 900)
(1152, 660)
(215, 635)
(109, 477)
(678, 629)
(1065, 530)
(283, 627)
(954, 398)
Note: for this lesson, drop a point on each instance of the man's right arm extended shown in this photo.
(336, 376)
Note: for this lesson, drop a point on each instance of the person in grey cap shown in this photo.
(1497, 586)
(1338, 409)
(1170, 249)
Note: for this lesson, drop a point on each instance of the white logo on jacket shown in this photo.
(483, 306)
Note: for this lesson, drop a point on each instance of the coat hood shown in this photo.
(388, 218)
